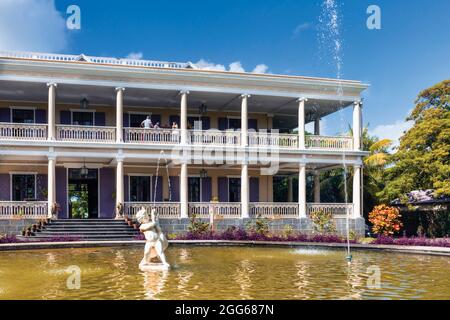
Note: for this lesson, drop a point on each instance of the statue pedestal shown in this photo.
(153, 267)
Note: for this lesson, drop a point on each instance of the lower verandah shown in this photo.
(91, 194)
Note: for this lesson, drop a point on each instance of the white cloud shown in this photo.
(260, 68)
(206, 65)
(32, 25)
(235, 66)
(392, 131)
(299, 28)
(135, 55)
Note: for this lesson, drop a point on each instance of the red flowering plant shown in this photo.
(385, 220)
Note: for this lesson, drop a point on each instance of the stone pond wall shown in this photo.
(15, 226)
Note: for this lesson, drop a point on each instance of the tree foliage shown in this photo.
(423, 157)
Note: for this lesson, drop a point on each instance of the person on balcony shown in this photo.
(175, 132)
(147, 123)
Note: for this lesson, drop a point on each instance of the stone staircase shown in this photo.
(86, 229)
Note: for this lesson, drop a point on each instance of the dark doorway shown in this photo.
(83, 193)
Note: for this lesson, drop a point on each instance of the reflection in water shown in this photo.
(242, 278)
(154, 283)
(221, 273)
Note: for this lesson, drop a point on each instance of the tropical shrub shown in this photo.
(385, 220)
(260, 226)
(197, 227)
(323, 222)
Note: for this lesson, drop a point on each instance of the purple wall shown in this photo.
(126, 187)
(254, 189)
(223, 189)
(206, 189)
(107, 187)
(159, 188)
(42, 186)
(61, 191)
(100, 119)
(5, 187)
(65, 117)
(40, 116)
(5, 115)
(175, 188)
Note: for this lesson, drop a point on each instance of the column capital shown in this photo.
(51, 157)
(120, 158)
(358, 166)
(302, 99)
(119, 89)
(358, 102)
(245, 95)
(184, 92)
(52, 84)
(302, 165)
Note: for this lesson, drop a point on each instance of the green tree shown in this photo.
(423, 157)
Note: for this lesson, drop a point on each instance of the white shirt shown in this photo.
(147, 123)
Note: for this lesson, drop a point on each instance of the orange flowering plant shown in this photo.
(385, 220)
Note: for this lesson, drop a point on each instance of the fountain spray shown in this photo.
(330, 38)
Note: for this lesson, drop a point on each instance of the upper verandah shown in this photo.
(23, 76)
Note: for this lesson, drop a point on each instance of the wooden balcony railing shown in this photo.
(85, 133)
(23, 210)
(329, 143)
(214, 137)
(152, 136)
(23, 131)
(166, 210)
(225, 210)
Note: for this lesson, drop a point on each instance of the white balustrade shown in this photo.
(23, 209)
(329, 143)
(266, 139)
(93, 59)
(274, 210)
(337, 209)
(214, 137)
(220, 210)
(23, 131)
(85, 133)
(165, 210)
(153, 136)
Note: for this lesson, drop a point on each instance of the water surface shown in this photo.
(222, 273)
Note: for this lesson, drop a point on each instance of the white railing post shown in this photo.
(51, 110)
(119, 114)
(302, 191)
(357, 125)
(357, 191)
(301, 123)
(51, 187)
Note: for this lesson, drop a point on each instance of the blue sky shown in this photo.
(411, 51)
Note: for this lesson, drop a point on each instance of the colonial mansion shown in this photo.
(74, 143)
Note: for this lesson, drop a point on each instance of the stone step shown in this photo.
(88, 232)
(84, 236)
(87, 228)
(88, 221)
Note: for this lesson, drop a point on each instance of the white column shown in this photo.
(51, 110)
(317, 127)
(51, 187)
(119, 114)
(302, 191)
(183, 117)
(301, 123)
(244, 119)
(184, 206)
(290, 190)
(316, 187)
(120, 194)
(357, 129)
(357, 191)
(245, 198)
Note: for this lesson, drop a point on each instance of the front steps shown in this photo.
(85, 229)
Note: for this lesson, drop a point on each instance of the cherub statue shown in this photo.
(156, 242)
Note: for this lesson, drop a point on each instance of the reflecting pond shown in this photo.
(222, 273)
